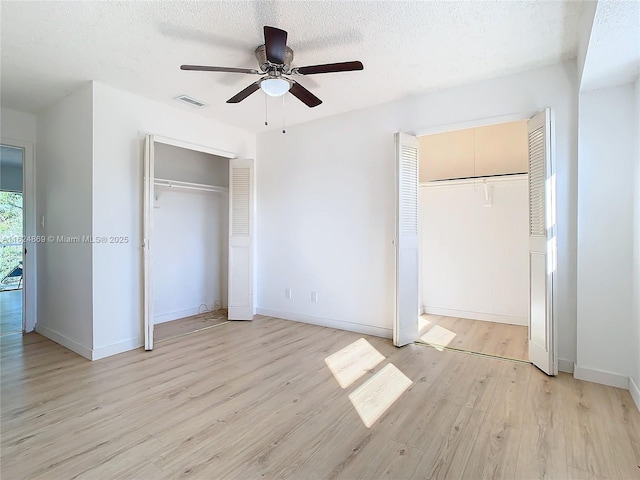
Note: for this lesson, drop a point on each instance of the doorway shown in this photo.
(190, 239)
(474, 244)
(198, 231)
(542, 239)
(11, 240)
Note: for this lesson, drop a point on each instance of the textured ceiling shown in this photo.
(50, 48)
(613, 56)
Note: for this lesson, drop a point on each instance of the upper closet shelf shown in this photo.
(161, 182)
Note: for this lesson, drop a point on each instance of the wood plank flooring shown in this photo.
(183, 326)
(10, 312)
(258, 400)
(489, 338)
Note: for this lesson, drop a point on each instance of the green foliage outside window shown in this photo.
(10, 233)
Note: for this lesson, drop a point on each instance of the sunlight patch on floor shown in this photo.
(438, 337)
(353, 361)
(376, 395)
(423, 324)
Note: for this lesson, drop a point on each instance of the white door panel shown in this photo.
(542, 241)
(147, 256)
(241, 198)
(405, 326)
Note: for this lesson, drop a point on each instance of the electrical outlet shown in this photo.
(287, 293)
(314, 297)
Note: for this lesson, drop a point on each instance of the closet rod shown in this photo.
(161, 182)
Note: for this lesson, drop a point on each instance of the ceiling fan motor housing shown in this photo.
(266, 66)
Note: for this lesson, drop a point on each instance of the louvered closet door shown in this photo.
(241, 198)
(147, 253)
(405, 327)
(542, 244)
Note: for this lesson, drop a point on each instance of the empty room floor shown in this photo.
(274, 399)
(10, 311)
(184, 326)
(489, 338)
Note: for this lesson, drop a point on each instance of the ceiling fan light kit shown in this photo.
(274, 86)
(274, 60)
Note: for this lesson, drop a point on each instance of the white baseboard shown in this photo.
(635, 392)
(604, 378)
(327, 322)
(167, 317)
(565, 366)
(115, 348)
(64, 341)
(488, 317)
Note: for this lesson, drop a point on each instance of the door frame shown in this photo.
(147, 221)
(483, 122)
(30, 272)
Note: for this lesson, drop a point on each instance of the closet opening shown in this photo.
(190, 241)
(473, 217)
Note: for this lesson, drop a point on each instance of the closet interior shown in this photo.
(190, 240)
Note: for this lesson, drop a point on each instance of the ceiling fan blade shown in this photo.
(275, 42)
(245, 93)
(304, 95)
(203, 68)
(329, 68)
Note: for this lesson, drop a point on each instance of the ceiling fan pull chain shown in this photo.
(266, 112)
(283, 129)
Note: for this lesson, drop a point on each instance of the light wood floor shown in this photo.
(488, 338)
(182, 326)
(258, 400)
(10, 311)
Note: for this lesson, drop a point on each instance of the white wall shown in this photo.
(64, 175)
(325, 196)
(18, 125)
(190, 234)
(475, 259)
(635, 375)
(121, 121)
(189, 252)
(175, 163)
(605, 233)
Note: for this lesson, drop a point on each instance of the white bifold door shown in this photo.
(405, 325)
(241, 228)
(542, 244)
(241, 198)
(147, 255)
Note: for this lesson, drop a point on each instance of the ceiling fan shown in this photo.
(274, 59)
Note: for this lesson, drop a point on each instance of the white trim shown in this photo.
(487, 317)
(65, 342)
(604, 378)
(168, 317)
(147, 218)
(565, 366)
(634, 390)
(481, 122)
(29, 281)
(163, 182)
(466, 182)
(327, 322)
(193, 146)
(115, 348)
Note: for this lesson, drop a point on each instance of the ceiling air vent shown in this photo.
(191, 101)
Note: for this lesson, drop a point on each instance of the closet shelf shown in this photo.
(162, 182)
